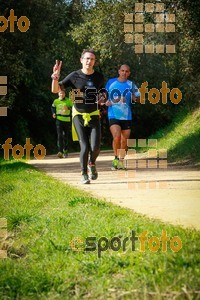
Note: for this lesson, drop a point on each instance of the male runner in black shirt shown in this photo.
(85, 112)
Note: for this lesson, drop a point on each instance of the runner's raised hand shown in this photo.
(57, 67)
(56, 70)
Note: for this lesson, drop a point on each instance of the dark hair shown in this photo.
(90, 50)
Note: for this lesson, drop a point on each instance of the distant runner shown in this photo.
(61, 111)
(121, 94)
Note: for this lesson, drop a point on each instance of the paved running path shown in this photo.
(171, 195)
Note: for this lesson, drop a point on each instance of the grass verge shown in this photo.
(181, 138)
(48, 221)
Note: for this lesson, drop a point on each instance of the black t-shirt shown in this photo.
(89, 85)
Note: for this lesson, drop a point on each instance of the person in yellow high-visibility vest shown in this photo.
(61, 111)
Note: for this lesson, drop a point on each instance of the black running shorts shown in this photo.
(124, 124)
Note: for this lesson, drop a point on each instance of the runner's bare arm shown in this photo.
(135, 99)
(55, 88)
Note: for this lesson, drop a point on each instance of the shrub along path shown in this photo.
(170, 194)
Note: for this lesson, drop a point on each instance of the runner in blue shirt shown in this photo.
(121, 94)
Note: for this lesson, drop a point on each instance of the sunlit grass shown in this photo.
(45, 219)
(181, 138)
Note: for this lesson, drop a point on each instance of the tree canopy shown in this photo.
(60, 30)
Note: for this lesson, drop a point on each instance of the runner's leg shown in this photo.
(59, 136)
(95, 141)
(116, 134)
(95, 138)
(83, 136)
(65, 126)
(125, 134)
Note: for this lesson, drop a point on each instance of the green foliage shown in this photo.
(60, 30)
(30, 57)
(102, 28)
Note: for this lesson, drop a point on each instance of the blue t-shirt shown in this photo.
(120, 94)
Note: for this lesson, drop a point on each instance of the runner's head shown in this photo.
(88, 60)
(124, 72)
(61, 95)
